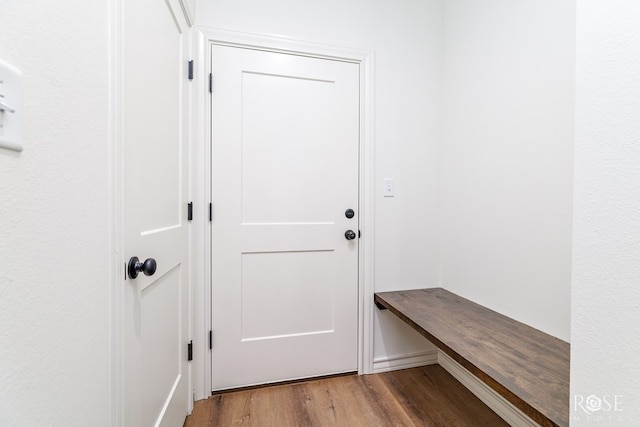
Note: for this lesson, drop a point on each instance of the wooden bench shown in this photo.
(527, 367)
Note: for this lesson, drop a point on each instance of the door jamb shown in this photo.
(116, 294)
(205, 37)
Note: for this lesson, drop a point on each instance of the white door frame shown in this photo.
(116, 276)
(202, 187)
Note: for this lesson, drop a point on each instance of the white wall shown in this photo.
(507, 157)
(54, 227)
(54, 210)
(406, 38)
(605, 330)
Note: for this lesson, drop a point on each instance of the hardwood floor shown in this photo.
(425, 396)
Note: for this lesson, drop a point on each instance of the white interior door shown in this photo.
(155, 167)
(285, 155)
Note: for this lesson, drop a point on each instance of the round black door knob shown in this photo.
(148, 267)
(350, 234)
(349, 213)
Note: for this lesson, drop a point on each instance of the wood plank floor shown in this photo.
(425, 396)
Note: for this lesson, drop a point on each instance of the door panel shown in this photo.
(285, 152)
(285, 271)
(154, 156)
(273, 153)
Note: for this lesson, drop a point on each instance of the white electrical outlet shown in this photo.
(387, 189)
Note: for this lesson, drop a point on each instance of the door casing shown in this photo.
(202, 188)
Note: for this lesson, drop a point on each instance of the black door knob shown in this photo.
(148, 267)
(350, 234)
(349, 213)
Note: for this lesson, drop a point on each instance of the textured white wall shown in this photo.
(507, 157)
(406, 38)
(54, 258)
(605, 330)
(54, 196)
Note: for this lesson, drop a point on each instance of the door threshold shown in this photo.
(282, 383)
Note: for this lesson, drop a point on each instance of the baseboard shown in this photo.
(405, 361)
(493, 400)
(498, 404)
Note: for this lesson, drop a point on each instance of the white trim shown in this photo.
(283, 45)
(189, 14)
(208, 36)
(498, 404)
(116, 271)
(201, 226)
(367, 214)
(505, 409)
(188, 130)
(411, 360)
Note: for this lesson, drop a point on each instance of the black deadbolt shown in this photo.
(349, 213)
(148, 267)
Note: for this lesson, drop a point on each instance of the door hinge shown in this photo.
(210, 340)
(210, 83)
(190, 351)
(190, 211)
(190, 70)
(210, 212)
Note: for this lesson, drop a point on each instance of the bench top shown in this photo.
(527, 367)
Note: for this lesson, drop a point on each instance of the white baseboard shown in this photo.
(405, 361)
(493, 400)
(498, 404)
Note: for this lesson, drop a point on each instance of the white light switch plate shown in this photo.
(388, 188)
(10, 107)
